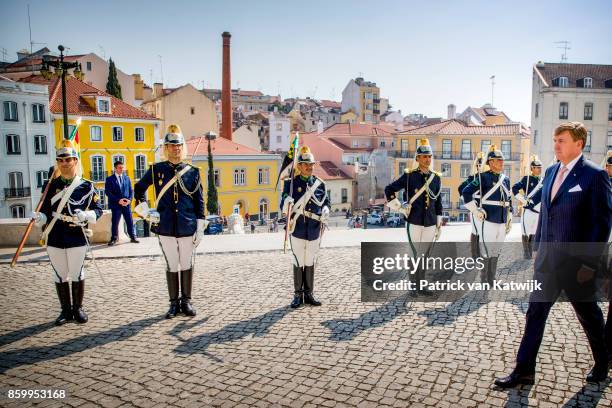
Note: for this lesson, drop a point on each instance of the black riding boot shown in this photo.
(526, 247)
(172, 278)
(492, 270)
(298, 286)
(186, 284)
(78, 290)
(474, 246)
(530, 246)
(308, 286)
(420, 275)
(63, 294)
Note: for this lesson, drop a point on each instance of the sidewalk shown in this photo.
(214, 244)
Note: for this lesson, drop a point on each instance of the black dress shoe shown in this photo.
(598, 373)
(515, 378)
(112, 242)
(134, 241)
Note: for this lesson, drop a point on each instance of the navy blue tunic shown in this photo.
(425, 210)
(532, 182)
(305, 227)
(495, 213)
(178, 211)
(66, 234)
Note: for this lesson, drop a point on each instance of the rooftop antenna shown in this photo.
(103, 52)
(278, 87)
(492, 78)
(161, 68)
(151, 76)
(565, 45)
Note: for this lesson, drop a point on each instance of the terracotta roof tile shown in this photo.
(220, 146)
(574, 72)
(457, 127)
(327, 170)
(75, 90)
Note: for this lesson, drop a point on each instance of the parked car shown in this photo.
(216, 225)
(375, 219)
(395, 220)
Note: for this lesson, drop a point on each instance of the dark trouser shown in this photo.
(127, 216)
(590, 317)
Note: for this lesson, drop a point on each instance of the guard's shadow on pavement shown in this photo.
(348, 329)
(517, 397)
(450, 313)
(589, 395)
(29, 331)
(257, 326)
(32, 355)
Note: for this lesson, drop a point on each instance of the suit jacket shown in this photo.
(116, 192)
(570, 224)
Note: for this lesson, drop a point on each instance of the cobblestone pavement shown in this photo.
(246, 347)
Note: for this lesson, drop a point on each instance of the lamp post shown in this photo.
(61, 68)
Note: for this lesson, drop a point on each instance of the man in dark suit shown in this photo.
(118, 188)
(574, 225)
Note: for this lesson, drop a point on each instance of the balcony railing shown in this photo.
(98, 175)
(138, 173)
(22, 192)
(450, 155)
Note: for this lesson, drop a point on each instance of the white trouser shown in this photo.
(491, 237)
(529, 222)
(304, 252)
(420, 238)
(67, 263)
(177, 251)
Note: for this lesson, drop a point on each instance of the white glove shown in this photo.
(197, 237)
(394, 204)
(325, 215)
(84, 217)
(153, 216)
(479, 213)
(39, 218)
(288, 201)
(521, 199)
(405, 209)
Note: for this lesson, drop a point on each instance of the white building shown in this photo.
(571, 92)
(280, 131)
(28, 146)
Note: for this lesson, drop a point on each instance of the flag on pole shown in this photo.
(289, 156)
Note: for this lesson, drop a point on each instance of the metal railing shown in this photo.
(17, 192)
(98, 175)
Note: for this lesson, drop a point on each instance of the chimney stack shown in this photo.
(226, 90)
(452, 111)
(158, 89)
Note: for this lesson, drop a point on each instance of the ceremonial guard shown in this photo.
(69, 207)
(528, 193)
(177, 216)
(493, 211)
(476, 169)
(306, 204)
(421, 205)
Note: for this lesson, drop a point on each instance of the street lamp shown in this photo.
(61, 68)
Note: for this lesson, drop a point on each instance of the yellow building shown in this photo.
(348, 117)
(363, 98)
(110, 130)
(455, 145)
(244, 176)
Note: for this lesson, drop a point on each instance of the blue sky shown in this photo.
(423, 55)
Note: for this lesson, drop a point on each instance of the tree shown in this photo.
(212, 204)
(112, 85)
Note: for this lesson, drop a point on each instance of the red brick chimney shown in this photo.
(226, 90)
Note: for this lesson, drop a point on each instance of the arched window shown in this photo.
(18, 211)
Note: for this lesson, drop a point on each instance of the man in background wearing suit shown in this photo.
(576, 212)
(118, 189)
